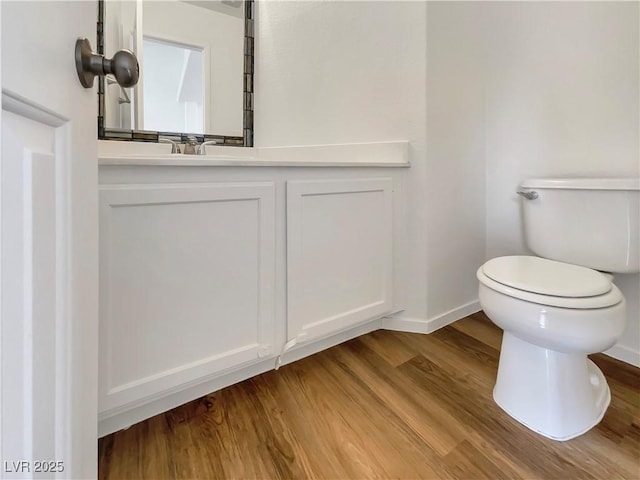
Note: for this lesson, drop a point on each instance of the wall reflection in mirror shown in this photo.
(192, 57)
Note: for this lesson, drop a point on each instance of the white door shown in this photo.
(48, 244)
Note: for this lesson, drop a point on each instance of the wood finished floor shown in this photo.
(384, 405)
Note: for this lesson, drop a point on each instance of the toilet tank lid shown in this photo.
(629, 183)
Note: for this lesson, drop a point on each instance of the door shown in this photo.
(48, 244)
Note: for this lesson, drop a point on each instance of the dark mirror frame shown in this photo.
(150, 136)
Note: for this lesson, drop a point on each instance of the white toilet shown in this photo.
(558, 309)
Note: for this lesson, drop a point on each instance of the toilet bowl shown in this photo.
(545, 380)
(557, 307)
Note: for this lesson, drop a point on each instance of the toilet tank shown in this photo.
(593, 222)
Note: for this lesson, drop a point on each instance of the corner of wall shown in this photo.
(422, 325)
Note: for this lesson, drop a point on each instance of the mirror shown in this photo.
(196, 71)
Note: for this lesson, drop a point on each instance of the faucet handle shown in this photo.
(175, 148)
(201, 149)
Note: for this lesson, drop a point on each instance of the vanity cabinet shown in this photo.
(209, 274)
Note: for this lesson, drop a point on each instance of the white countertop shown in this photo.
(379, 154)
(227, 161)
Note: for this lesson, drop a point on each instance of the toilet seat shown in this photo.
(547, 282)
(547, 277)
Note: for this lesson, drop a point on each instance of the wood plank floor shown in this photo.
(384, 405)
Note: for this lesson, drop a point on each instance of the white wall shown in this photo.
(339, 72)
(454, 189)
(551, 88)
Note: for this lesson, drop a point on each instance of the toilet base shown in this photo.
(558, 395)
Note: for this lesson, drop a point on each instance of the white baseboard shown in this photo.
(123, 417)
(419, 325)
(624, 354)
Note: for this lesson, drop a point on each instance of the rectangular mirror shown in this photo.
(196, 70)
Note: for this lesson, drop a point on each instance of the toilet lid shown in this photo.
(546, 277)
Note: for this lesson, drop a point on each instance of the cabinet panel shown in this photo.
(339, 254)
(186, 284)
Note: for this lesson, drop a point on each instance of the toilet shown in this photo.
(559, 306)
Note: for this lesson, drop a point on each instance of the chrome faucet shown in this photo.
(202, 150)
(175, 148)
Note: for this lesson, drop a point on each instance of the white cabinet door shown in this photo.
(48, 184)
(186, 285)
(339, 254)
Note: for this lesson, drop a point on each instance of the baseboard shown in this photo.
(123, 417)
(419, 325)
(624, 354)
